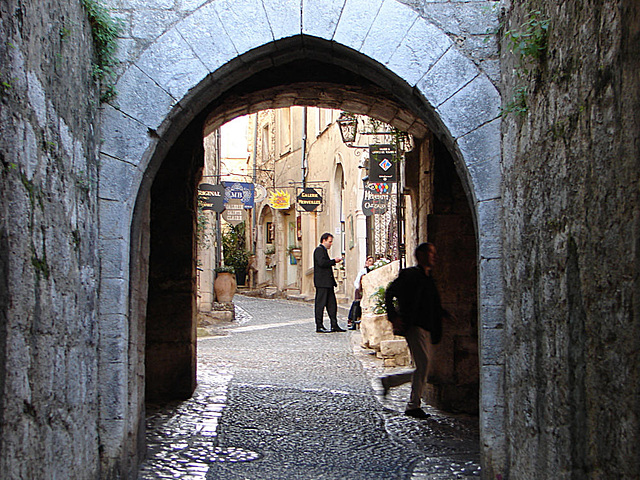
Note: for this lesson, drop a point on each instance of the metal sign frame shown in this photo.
(319, 208)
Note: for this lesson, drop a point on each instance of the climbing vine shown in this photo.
(104, 31)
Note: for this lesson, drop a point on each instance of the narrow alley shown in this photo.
(275, 400)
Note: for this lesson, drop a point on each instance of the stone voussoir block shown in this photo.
(355, 21)
(419, 51)
(117, 178)
(482, 144)
(204, 32)
(114, 255)
(387, 31)
(283, 23)
(127, 138)
(472, 106)
(320, 17)
(171, 63)
(487, 179)
(246, 23)
(141, 98)
(449, 74)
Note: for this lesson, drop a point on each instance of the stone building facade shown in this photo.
(334, 171)
(551, 185)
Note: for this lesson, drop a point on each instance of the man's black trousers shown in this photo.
(326, 297)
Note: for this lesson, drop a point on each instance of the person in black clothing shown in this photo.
(414, 309)
(325, 282)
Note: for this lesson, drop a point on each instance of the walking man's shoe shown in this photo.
(338, 329)
(417, 413)
(322, 330)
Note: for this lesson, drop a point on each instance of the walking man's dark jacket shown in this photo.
(322, 271)
(418, 302)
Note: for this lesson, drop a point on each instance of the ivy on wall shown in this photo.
(528, 42)
(104, 31)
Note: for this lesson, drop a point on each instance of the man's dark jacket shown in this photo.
(418, 302)
(322, 271)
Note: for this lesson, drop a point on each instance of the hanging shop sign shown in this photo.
(234, 213)
(309, 199)
(376, 198)
(260, 193)
(239, 191)
(212, 196)
(382, 164)
(280, 200)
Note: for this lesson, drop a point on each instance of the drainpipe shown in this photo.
(254, 233)
(218, 222)
(304, 146)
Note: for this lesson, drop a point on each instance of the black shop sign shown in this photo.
(382, 164)
(212, 196)
(309, 199)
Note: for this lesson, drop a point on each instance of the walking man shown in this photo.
(417, 317)
(325, 282)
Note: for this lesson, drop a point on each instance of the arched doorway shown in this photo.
(412, 77)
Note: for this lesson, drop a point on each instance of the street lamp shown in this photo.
(348, 123)
(348, 128)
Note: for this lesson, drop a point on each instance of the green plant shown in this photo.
(104, 31)
(225, 269)
(528, 42)
(399, 138)
(5, 87)
(381, 262)
(518, 103)
(379, 305)
(202, 226)
(234, 244)
(64, 33)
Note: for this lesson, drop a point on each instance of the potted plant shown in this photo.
(225, 284)
(235, 254)
(295, 252)
(268, 256)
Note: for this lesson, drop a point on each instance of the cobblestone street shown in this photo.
(275, 400)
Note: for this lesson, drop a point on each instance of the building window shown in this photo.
(270, 232)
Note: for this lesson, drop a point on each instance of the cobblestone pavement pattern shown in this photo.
(275, 400)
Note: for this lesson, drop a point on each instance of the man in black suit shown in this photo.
(325, 282)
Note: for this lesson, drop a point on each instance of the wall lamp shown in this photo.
(348, 123)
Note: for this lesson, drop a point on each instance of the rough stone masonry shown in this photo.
(48, 231)
(572, 238)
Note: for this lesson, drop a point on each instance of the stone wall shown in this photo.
(571, 250)
(48, 242)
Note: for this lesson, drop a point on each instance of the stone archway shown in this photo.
(392, 64)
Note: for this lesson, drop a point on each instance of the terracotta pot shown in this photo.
(225, 287)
